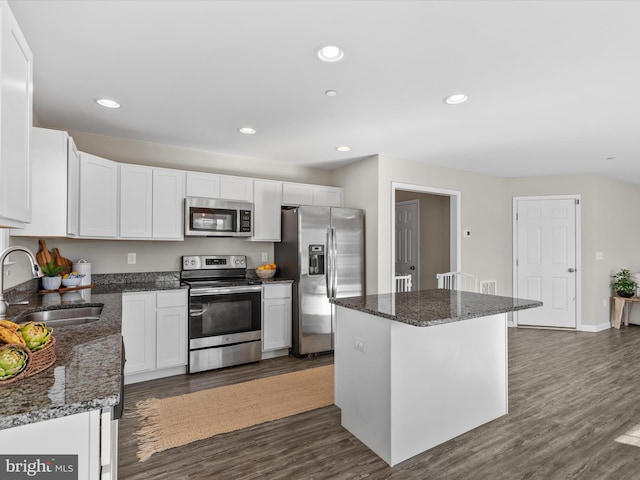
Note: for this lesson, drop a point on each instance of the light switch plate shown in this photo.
(131, 258)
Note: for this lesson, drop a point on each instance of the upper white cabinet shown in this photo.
(55, 163)
(327, 196)
(98, 199)
(226, 187)
(205, 185)
(16, 97)
(151, 202)
(136, 201)
(236, 188)
(168, 200)
(267, 197)
(304, 194)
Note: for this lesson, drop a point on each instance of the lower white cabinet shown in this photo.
(92, 436)
(154, 328)
(276, 319)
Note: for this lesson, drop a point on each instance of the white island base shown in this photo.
(404, 389)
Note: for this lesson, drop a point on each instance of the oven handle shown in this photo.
(219, 291)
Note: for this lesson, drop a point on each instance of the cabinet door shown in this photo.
(171, 346)
(139, 331)
(236, 188)
(267, 197)
(136, 183)
(327, 196)
(73, 188)
(206, 185)
(276, 324)
(48, 184)
(98, 196)
(168, 203)
(297, 194)
(16, 94)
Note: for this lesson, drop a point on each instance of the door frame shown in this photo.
(415, 282)
(455, 223)
(578, 249)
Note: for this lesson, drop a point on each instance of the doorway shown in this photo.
(547, 259)
(437, 235)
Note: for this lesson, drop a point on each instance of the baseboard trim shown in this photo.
(595, 328)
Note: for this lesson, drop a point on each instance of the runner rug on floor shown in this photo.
(175, 421)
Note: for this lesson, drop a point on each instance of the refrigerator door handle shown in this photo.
(327, 271)
(334, 253)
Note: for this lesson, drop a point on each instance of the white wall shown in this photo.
(608, 226)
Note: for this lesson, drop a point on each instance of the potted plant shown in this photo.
(623, 284)
(52, 278)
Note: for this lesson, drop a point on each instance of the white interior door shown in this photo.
(408, 241)
(546, 260)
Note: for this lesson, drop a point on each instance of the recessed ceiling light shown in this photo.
(456, 99)
(343, 148)
(330, 53)
(331, 93)
(107, 103)
(247, 130)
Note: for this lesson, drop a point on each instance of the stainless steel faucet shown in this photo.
(3, 255)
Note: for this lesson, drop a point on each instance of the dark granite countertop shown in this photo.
(427, 308)
(87, 372)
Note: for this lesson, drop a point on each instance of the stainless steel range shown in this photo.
(224, 312)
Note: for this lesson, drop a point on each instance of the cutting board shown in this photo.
(43, 256)
(65, 263)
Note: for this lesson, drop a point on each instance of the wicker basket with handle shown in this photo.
(42, 359)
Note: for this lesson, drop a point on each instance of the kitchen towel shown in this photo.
(176, 421)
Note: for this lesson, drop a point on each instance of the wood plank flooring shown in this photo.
(570, 395)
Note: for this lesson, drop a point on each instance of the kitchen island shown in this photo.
(415, 369)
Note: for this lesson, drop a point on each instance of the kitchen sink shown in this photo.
(62, 317)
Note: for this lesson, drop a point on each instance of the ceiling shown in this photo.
(553, 86)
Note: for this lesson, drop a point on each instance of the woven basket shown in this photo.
(42, 359)
(23, 373)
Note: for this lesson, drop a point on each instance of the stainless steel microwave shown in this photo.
(207, 217)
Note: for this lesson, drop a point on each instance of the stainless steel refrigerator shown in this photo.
(322, 251)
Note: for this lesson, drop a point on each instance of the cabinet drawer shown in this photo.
(276, 291)
(174, 298)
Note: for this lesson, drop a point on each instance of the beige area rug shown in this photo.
(176, 421)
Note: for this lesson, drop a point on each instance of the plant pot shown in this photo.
(625, 294)
(51, 283)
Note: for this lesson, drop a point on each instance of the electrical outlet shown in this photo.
(131, 258)
(599, 255)
(265, 256)
(358, 344)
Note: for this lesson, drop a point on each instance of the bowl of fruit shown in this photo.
(266, 271)
(72, 279)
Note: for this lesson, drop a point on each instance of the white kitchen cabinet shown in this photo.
(16, 99)
(304, 194)
(327, 196)
(154, 328)
(98, 199)
(168, 203)
(73, 189)
(136, 201)
(236, 188)
(276, 319)
(267, 197)
(54, 162)
(151, 203)
(205, 185)
(297, 194)
(225, 187)
(77, 434)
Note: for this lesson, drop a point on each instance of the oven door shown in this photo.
(229, 316)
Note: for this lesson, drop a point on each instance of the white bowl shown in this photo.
(71, 281)
(266, 273)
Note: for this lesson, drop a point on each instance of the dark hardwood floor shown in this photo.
(570, 395)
